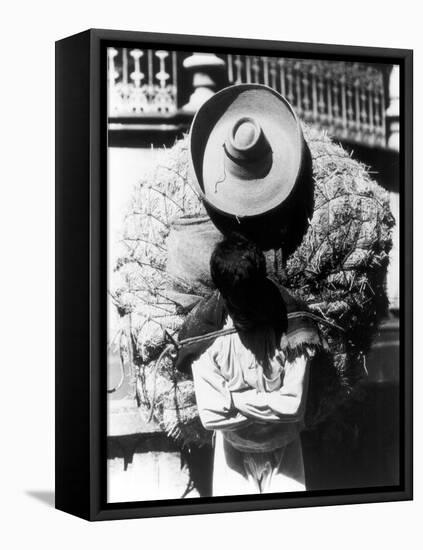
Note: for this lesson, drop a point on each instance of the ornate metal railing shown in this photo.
(346, 99)
(141, 82)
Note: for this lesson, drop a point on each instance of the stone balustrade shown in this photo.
(347, 99)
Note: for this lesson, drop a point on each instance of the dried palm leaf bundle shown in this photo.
(339, 270)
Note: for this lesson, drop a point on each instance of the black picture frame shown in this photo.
(81, 323)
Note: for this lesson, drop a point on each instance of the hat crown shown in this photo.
(245, 133)
(246, 143)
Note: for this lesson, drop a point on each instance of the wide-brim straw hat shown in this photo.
(246, 150)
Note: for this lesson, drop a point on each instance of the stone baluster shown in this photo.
(315, 107)
(150, 76)
(248, 69)
(376, 103)
(138, 101)
(336, 109)
(357, 108)
(282, 76)
(297, 79)
(382, 117)
(266, 71)
(238, 65)
(112, 77)
(344, 115)
(273, 73)
(162, 76)
(290, 89)
(125, 66)
(329, 108)
(137, 76)
(371, 122)
(111, 69)
(350, 110)
(321, 97)
(364, 112)
(230, 68)
(175, 72)
(306, 100)
(256, 70)
(164, 100)
(124, 85)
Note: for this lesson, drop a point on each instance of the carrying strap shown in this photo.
(178, 344)
(174, 346)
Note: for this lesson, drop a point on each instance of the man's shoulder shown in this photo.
(292, 303)
(302, 331)
(207, 316)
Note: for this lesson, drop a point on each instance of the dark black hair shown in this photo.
(238, 269)
(236, 262)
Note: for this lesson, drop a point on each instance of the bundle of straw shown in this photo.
(338, 270)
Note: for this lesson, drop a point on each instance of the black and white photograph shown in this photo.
(210, 295)
(253, 274)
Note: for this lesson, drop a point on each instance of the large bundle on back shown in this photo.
(338, 270)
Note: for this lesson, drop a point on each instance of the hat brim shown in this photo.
(224, 190)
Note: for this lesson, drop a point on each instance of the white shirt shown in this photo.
(246, 388)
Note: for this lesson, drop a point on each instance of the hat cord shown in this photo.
(221, 180)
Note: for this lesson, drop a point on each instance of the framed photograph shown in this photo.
(234, 274)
